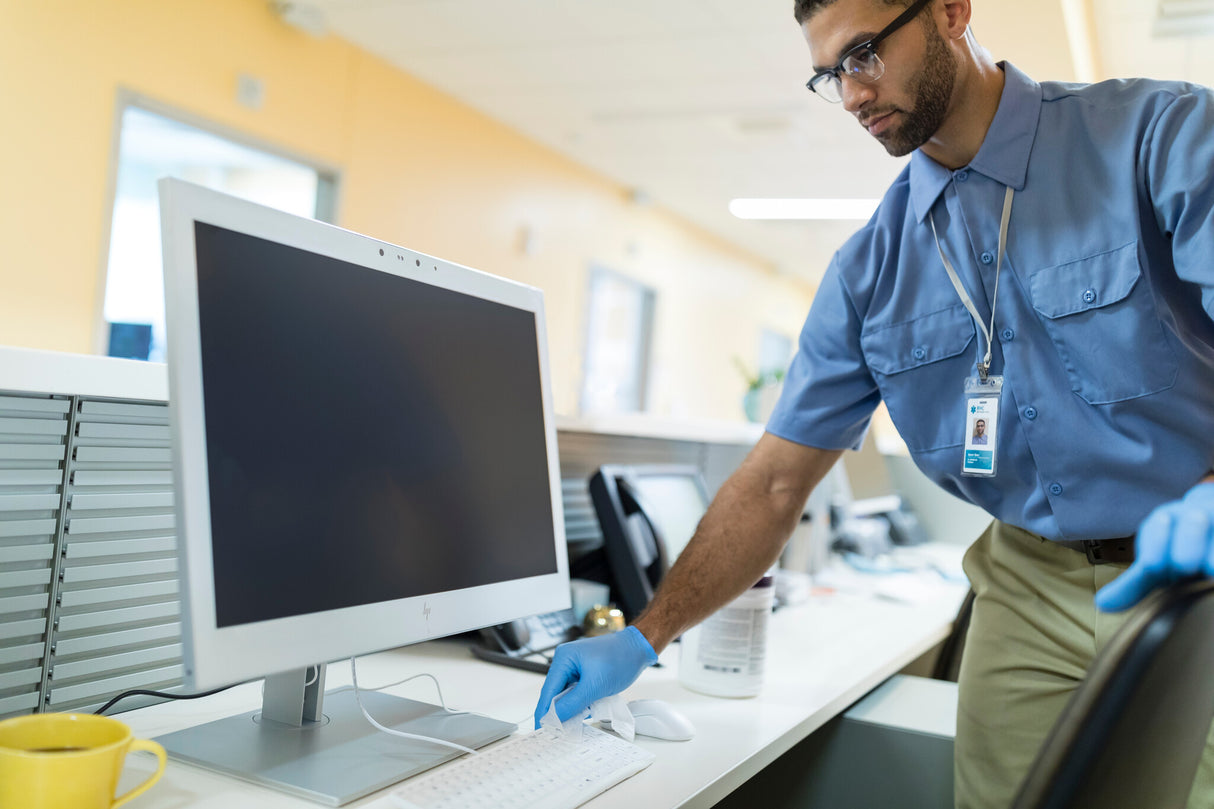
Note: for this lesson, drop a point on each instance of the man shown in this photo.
(1090, 211)
(979, 436)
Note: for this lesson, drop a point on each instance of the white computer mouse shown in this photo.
(657, 719)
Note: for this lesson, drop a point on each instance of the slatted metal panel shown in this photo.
(581, 524)
(33, 448)
(118, 623)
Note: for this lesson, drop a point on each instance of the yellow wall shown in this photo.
(416, 168)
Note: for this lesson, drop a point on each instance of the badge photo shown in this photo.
(981, 434)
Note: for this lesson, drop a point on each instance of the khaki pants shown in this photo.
(1033, 632)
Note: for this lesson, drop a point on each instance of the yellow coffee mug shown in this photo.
(67, 761)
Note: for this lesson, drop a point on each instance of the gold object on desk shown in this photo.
(602, 620)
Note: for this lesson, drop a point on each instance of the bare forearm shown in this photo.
(739, 538)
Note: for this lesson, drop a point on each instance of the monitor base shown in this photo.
(338, 759)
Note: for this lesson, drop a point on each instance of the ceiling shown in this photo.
(692, 103)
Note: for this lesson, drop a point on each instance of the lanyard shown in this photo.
(985, 365)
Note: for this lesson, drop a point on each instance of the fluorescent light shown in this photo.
(803, 208)
(1185, 18)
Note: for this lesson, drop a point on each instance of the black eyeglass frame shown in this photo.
(870, 46)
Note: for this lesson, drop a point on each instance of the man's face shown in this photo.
(979, 427)
(906, 106)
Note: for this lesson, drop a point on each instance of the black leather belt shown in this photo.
(1119, 551)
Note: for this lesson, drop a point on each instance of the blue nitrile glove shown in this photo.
(1175, 541)
(599, 667)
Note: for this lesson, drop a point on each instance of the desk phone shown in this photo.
(524, 643)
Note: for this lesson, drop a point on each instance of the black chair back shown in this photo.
(1133, 733)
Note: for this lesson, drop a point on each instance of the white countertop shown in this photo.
(822, 656)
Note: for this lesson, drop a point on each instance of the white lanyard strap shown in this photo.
(985, 365)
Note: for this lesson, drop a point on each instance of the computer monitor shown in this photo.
(364, 458)
(647, 513)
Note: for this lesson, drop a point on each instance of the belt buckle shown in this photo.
(1094, 549)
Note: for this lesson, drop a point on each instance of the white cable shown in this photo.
(437, 687)
(402, 734)
(315, 677)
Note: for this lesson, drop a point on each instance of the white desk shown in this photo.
(822, 657)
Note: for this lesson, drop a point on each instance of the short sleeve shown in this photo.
(1179, 162)
(829, 394)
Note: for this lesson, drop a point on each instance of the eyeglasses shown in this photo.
(861, 62)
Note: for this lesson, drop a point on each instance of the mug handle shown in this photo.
(151, 747)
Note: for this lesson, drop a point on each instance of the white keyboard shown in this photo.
(536, 770)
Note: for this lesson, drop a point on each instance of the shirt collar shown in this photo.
(1004, 154)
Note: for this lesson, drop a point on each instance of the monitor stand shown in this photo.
(325, 750)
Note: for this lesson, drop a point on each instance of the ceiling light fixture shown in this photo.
(1184, 18)
(803, 208)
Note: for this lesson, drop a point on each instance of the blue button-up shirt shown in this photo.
(1104, 329)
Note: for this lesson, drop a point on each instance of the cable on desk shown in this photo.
(433, 679)
(164, 694)
(437, 687)
(401, 733)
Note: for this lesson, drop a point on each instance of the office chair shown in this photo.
(1134, 731)
(948, 662)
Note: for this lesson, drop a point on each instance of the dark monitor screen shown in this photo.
(364, 432)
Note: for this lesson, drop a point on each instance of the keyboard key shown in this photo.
(536, 770)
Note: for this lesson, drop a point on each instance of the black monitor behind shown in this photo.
(1134, 732)
(638, 522)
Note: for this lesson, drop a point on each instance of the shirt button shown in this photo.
(1089, 295)
(987, 257)
(1030, 413)
(1055, 489)
(962, 175)
(1007, 334)
(919, 353)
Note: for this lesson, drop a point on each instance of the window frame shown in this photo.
(328, 185)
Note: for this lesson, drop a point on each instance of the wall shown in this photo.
(417, 168)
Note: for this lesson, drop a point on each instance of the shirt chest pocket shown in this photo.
(1100, 315)
(920, 366)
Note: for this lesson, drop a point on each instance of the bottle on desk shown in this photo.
(725, 655)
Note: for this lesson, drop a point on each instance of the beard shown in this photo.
(932, 90)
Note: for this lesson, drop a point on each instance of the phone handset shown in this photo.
(533, 634)
(648, 545)
(512, 635)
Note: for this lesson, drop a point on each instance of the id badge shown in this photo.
(981, 453)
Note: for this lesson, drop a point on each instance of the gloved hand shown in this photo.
(1175, 541)
(599, 666)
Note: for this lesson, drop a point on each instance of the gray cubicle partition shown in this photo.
(584, 449)
(88, 571)
(32, 445)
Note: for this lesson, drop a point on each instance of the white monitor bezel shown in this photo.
(216, 656)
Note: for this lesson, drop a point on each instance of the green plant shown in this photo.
(760, 380)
